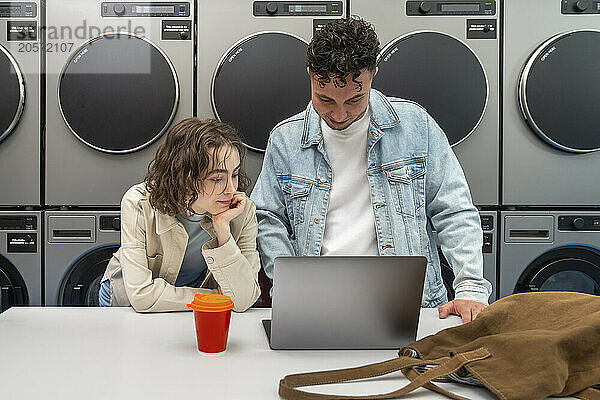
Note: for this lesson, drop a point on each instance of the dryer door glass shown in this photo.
(440, 73)
(13, 291)
(571, 281)
(259, 82)
(572, 268)
(559, 91)
(12, 93)
(82, 283)
(118, 93)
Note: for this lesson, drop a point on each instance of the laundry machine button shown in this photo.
(579, 223)
(424, 7)
(119, 9)
(184, 35)
(210, 260)
(272, 8)
(581, 5)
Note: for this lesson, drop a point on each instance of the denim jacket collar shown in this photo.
(383, 116)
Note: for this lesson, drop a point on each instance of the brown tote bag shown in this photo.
(522, 347)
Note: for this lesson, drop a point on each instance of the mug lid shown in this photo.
(209, 302)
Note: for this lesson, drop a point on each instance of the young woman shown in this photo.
(187, 229)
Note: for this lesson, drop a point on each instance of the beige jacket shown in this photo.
(143, 271)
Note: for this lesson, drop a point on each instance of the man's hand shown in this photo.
(467, 309)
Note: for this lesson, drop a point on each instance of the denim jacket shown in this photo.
(415, 182)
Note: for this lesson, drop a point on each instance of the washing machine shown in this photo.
(489, 225)
(78, 246)
(118, 75)
(550, 250)
(20, 259)
(20, 100)
(445, 55)
(251, 64)
(551, 92)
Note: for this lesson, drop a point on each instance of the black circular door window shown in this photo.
(82, 283)
(440, 73)
(13, 291)
(259, 82)
(559, 91)
(12, 93)
(118, 93)
(572, 268)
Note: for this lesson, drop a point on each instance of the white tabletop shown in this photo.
(105, 353)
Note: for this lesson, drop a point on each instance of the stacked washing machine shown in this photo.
(20, 143)
(119, 74)
(251, 68)
(551, 140)
(251, 64)
(445, 55)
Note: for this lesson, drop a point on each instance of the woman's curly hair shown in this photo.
(181, 163)
(342, 47)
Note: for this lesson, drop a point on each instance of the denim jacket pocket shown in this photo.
(407, 183)
(295, 190)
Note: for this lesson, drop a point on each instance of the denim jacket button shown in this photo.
(322, 180)
(317, 220)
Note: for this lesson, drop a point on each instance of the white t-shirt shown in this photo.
(350, 222)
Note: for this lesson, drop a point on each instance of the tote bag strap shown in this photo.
(412, 374)
(446, 365)
(588, 394)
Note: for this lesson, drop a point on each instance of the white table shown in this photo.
(115, 353)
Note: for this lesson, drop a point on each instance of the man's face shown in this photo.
(341, 103)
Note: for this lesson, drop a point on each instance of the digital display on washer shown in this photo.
(460, 7)
(308, 8)
(9, 9)
(155, 9)
(10, 223)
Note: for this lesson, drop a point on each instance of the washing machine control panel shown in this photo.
(110, 223)
(580, 7)
(298, 8)
(18, 223)
(145, 9)
(450, 8)
(487, 225)
(9, 9)
(579, 223)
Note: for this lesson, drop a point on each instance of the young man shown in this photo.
(360, 173)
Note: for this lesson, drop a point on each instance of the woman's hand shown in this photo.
(221, 221)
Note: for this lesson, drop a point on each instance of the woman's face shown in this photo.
(217, 189)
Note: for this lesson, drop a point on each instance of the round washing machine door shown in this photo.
(260, 81)
(81, 284)
(559, 91)
(13, 291)
(439, 72)
(118, 93)
(12, 93)
(571, 268)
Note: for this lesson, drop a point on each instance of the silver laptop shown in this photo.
(345, 302)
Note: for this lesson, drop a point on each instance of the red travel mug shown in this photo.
(212, 314)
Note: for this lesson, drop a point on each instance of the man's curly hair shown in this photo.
(183, 160)
(342, 47)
